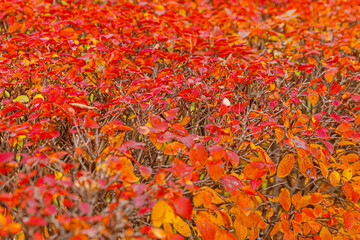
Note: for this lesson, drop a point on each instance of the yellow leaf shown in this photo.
(334, 178)
(347, 174)
(169, 214)
(39, 96)
(286, 165)
(182, 227)
(158, 213)
(22, 99)
(20, 236)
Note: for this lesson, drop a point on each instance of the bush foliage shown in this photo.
(179, 119)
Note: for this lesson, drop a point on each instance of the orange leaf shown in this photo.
(318, 210)
(245, 204)
(306, 165)
(330, 74)
(132, 89)
(217, 152)
(13, 28)
(154, 140)
(324, 170)
(306, 228)
(313, 98)
(215, 170)
(349, 220)
(206, 228)
(284, 199)
(316, 198)
(198, 155)
(286, 165)
(297, 200)
(298, 217)
(279, 134)
(174, 148)
(14, 228)
(275, 229)
(325, 233)
(182, 227)
(289, 235)
(352, 157)
(185, 120)
(202, 198)
(312, 60)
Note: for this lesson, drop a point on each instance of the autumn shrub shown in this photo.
(179, 119)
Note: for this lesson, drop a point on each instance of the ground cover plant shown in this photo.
(179, 119)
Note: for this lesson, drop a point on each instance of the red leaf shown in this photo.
(84, 207)
(145, 171)
(300, 143)
(329, 146)
(133, 145)
(90, 123)
(176, 236)
(38, 236)
(6, 156)
(232, 157)
(273, 104)
(159, 123)
(336, 117)
(335, 88)
(36, 221)
(322, 133)
(171, 114)
(255, 183)
(231, 183)
(198, 155)
(182, 206)
(355, 97)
